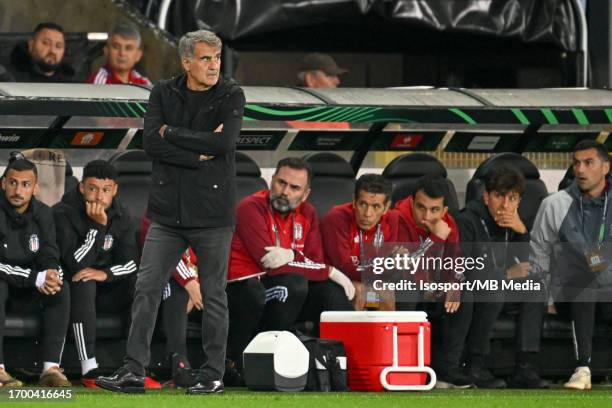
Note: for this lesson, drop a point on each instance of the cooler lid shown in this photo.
(369, 316)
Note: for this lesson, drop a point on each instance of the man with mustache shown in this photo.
(41, 59)
(277, 275)
(98, 253)
(123, 50)
(571, 241)
(29, 268)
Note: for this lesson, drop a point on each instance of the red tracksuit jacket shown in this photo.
(256, 223)
(410, 231)
(341, 238)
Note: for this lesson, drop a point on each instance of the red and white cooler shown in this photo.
(384, 350)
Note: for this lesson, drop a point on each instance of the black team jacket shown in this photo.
(187, 192)
(84, 243)
(27, 243)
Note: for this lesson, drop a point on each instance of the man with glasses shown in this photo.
(30, 275)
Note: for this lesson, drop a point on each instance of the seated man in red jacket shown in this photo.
(426, 217)
(276, 272)
(347, 230)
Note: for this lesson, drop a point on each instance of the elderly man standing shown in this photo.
(190, 130)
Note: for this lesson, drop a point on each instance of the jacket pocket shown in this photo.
(211, 197)
(162, 191)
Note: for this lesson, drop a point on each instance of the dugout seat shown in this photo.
(333, 181)
(134, 169)
(248, 176)
(535, 189)
(70, 181)
(404, 172)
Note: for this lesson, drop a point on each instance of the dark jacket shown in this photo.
(85, 243)
(474, 238)
(28, 243)
(186, 192)
(24, 69)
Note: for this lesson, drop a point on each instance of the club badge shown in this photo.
(108, 242)
(297, 231)
(34, 243)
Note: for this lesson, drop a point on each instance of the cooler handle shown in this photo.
(420, 368)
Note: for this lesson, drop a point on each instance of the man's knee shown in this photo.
(333, 297)
(249, 294)
(83, 293)
(297, 285)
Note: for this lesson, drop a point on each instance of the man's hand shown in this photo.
(342, 280)
(520, 270)
(204, 157)
(276, 257)
(96, 212)
(53, 283)
(88, 274)
(452, 301)
(510, 219)
(162, 130)
(439, 227)
(195, 296)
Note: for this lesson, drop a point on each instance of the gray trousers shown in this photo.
(162, 250)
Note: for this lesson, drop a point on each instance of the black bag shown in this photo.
(327, 367)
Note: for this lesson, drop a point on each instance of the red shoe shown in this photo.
(151, 383)
(89, 382)
(89, 378)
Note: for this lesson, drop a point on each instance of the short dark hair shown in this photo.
(100, 169)
(602, 150)
(47, 26)
(504, 179)
(433, 185)
(295, 163)
(20, 164)
(374, 184)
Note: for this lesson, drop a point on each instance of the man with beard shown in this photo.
(570, 240)
(41, 58)
(29, 268)
(98, 253)
(276, 274)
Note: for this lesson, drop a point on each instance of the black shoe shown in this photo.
(123, 380)
(179, 362)
(525, 376)
(207, 387)
(233, 376)
(453, 379)
(482, 378)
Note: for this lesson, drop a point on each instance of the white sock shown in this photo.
(47, 365)
(88, 365)
(1, 366)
